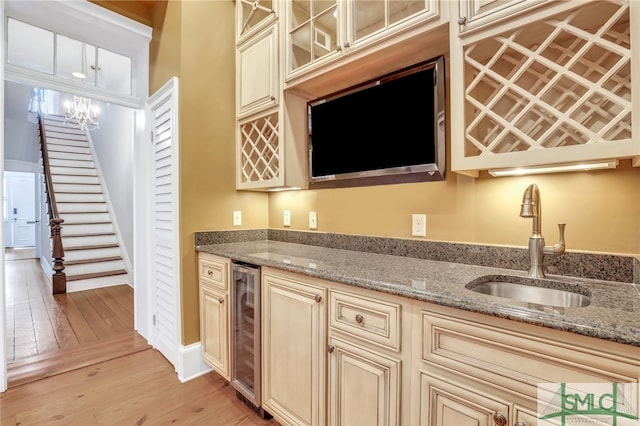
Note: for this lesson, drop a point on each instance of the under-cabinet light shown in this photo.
(558, 168)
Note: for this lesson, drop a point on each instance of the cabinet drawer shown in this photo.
(521, 356)
(370, 319)
(213, 270)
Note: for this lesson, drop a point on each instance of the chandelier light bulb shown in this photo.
(81, 114)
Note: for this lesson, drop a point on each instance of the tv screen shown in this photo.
(389, 130)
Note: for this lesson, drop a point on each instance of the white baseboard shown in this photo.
(190, 364)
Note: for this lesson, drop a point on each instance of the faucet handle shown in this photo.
(557, 248)
(561, 227)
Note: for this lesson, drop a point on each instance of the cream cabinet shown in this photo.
(258, 82)
(252, 16)
(321, 33)
(214, 312)
(539, 83)
(271, 151)
(475, 369)
(293, 348)
(365, 363)
(318, 30)
(271, 127)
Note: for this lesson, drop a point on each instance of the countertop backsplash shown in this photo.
(597, 266)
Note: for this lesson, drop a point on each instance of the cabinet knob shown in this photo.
(520, 424)
(221, 300)
(338, 48)
(359, 319)
(318, 298)
(346, 44)
(462, 20)
(273, 98)
(330, 348)
(499, 419)
(209, 272)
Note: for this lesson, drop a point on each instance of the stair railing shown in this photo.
(59, 277)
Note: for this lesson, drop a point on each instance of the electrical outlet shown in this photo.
(419, 225)
(313, 220)
(237, 218)
(286, 219)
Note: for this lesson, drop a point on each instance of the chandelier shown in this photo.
(81, 114)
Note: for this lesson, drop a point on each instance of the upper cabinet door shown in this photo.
(257, 81)
(553, 86)
(312, 31)
(252, 16)
(475, 13)
(321, 31)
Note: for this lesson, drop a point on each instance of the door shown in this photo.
(293, 350)
(165, 252)
(20, 209)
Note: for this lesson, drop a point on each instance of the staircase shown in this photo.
(92, 255)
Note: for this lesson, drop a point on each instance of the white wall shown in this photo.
(113, 144)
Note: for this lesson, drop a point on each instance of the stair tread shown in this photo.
(93, 260)
(91, 247)
(89, 234)
(95, 275)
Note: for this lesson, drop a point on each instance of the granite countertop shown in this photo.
(613, 314)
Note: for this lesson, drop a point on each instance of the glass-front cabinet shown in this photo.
(318, 31)
(252, 16)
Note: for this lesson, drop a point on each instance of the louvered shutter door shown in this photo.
(165, 222)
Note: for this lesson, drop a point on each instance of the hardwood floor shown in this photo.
(136, 389)
(75, 360)
(39, 323)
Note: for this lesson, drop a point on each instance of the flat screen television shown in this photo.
(388, 130)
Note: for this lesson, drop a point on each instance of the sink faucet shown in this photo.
(532, 208)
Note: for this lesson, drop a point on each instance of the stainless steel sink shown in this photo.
(536, 291)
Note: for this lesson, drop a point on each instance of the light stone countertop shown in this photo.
(613, 314)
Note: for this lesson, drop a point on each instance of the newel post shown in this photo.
(59, 277)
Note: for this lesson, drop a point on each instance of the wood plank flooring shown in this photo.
(137, 389)
(40, 323)
(75, 360)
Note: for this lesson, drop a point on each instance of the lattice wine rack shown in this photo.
(561, 81)
(259, 150)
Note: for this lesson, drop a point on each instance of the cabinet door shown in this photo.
(312, 31)
(446, 403)
(475, 13)
(252, 16)
(364, 387)
(214, 329)
(293, 350)
(258, 82)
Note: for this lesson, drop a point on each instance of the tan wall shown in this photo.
(197, 45)
(601, 209)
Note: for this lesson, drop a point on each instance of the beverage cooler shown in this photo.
(245, 333)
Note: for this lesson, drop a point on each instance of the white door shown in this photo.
(165, 252)
(20, 209)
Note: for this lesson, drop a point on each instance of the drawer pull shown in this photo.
(359, 319)
(499, 419)
(318, 298)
